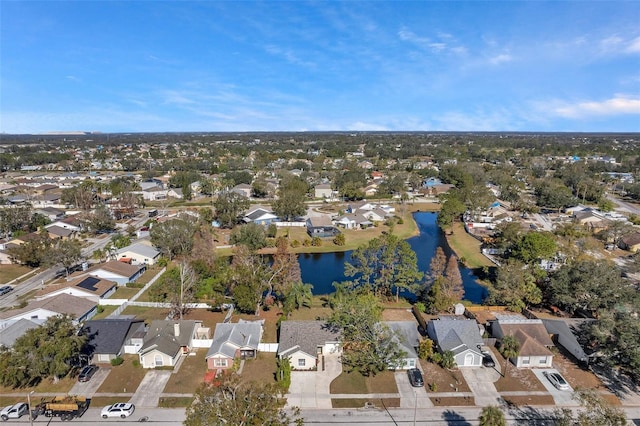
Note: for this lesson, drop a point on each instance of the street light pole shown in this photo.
(29, 404)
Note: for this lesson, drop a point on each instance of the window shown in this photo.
(543, 360)
(526, 360)
(158, 360)
(217, 362)
(301, 362)
(412, 363)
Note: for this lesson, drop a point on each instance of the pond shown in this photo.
(323, 269)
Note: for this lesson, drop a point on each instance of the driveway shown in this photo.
(89, 388)
(411, 397)
(560, 397)
(480, 381)
(152, 385)
(311, 389)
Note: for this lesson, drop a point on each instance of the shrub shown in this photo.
(117, 361)
(100, 309)
(316, 241)
(272, 230)
(421, 307)
(163, 262)
(339, 239)
(136, 363)
(433, 387)
(306, 242)
(295, 243)
(283, 374)
(400, 221)
(425, 349)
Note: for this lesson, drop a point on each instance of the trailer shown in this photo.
(66, 407)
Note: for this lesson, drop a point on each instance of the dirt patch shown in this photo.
(453, 401)
(438, 379)
(374, 403)
(398, 314)
(576, 376)
(519, 401)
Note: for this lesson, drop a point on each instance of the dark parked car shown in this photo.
(488, 361)
(87, 373)
(415, 377)
(5, 289)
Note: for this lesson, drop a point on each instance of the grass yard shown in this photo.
(12, 271)
(467, 247)
(175, 402)
(125, 377)
(261, 370)
(356, 383)
(46, 386)
(148, 275)
(453, 401)
(146, 313)
(106, 311)
(444, 380)
(190, 375)
(125, 292)
(361, 402)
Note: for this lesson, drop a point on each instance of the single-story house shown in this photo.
(260, 216)
(564, 336)
(107, 336)
(140, 254)
(463, 337)
(233, 341)
(120, 272)
(305, 342)
(166, 341)
(408, 339)
(630, 242)
(91, 288)
(59, 233)
(51, 213)
(532, 336)
(242, 189)
(321, 226)
(71, 223)
(80, 308)
(13, 332)
(323, 191)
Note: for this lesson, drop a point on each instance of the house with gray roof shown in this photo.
(79, 308)
(166, 341)
(233, 341)
(140, 254)
(306, 342)
(407, 337)
(260, 216)
(107, 337)
(13, 332)
(119, 272)
(463, 337)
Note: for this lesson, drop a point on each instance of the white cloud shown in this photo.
(619, 105)
(500, 59)
(634, 46)
(288, 56)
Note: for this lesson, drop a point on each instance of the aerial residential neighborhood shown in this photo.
(511, 281)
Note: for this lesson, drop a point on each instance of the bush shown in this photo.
(339, 239)
(295, 243)
(136, 363)
(163, 262)
(272, 230)
(306, 242)
(316, 241)
(400, 221)
(433, 387)
(117, 361)
(100, 309)
(421, 307)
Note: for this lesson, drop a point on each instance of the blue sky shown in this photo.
(151, 66)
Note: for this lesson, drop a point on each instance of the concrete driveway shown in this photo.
(411, 397)
(312, 389)
(560, 397)
(89, 388)
(152, 385)
(480, 381)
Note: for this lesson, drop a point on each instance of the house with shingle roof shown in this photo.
(79, 308)
(233, 341)
(630, 242)
(532, 336)
(140, 254)
(306, 342)
(58, 233)
(91, 288)
(13, 332)
(107, 337)
(166, 341)
(321, 226)
(461, 336)
(120, 272)
(407, 337)
(260, 216)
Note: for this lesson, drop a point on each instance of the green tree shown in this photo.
(297, 296)
(385, 265)
(369, 346)
(492, 415)
(174, 237)
(283, 373)
(99, 220)
(34, 252)
(534, 246)
(515, 287)
(291, 197)
(251, 235)
(66, 253)
(425, 349)
(510, 349)
(229, 206)
(230, 401)
(451, 211)
(43, 352)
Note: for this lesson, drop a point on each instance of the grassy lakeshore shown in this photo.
(467, 247)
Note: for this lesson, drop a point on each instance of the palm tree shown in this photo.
(509, 348)
(492, 415)
(299, 295)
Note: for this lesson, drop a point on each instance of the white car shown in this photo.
(557, 380)
(120, 409)
(14, 411)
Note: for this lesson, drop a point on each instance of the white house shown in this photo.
(91, 288)
(140, 254)
(460, 336)
(304, 343)
(80, 308)
(166, 341)
(532, 336)
(233, 341)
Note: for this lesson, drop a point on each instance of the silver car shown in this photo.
(557, 380)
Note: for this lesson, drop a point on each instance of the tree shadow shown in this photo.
(454, 419)
(527, 415)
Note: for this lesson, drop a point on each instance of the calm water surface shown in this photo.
(323, 269)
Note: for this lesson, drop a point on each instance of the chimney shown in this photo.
(176, 329)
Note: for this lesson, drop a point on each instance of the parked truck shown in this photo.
(66, 407)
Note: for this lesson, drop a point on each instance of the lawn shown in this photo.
(125, 377)
(106, 311)
(46, 386)
(261, 370)
(125, 292)
(356, 383)
(453, 401)
(466, 247)
(146, 313)
(148, 275)
(12, 271)
(444, 380)
(190, 375)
